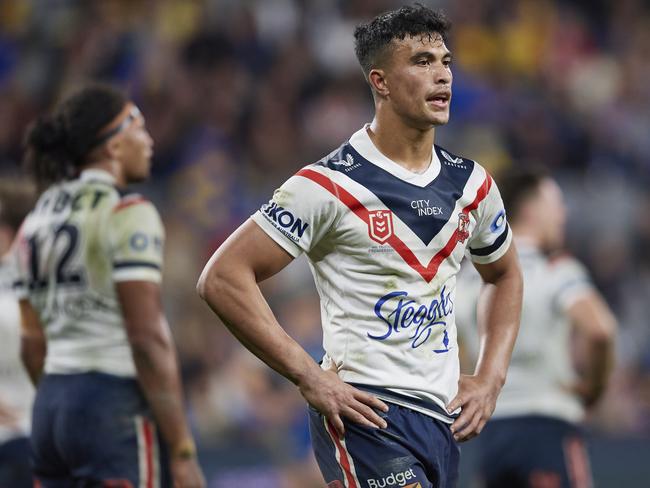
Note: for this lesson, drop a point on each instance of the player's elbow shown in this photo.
(147, 342)
(212, 281)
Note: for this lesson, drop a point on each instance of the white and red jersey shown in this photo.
(82, 238)
(384, 245)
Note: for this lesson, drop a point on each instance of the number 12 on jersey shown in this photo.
(55, 252)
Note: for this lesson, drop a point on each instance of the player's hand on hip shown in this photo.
(186, 473)
(334, 398)
(477, 396)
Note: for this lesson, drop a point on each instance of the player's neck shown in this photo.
(111, 166)
(409, 147)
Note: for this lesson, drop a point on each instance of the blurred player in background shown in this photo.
(534, 439)
(16, 391)
(95, 340)
(385, 221)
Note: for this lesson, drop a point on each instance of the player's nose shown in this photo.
(442, 76)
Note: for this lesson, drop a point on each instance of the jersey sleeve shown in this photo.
(492, 236)
(298, 216)
(571, 281)
(136, 239)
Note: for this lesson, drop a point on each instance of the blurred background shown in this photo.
(238, 95)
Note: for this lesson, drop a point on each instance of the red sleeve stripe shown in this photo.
(427, 272)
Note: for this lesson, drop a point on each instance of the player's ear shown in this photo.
(114, 146)
(377, 80)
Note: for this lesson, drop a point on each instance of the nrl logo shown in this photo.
(463, 224)
(451, 159)
(380, 225)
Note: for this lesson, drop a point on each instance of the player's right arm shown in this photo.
(595, 327)
(229, 284)
(136, 247)
(33, 345)
(157, 370)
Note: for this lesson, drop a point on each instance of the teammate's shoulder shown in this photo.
(563, 262)
(128, 200)
(454, 161)
(561, 258)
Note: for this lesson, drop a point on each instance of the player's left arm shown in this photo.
(499, 312)
(596, 327)
(493, 254)
(33, 346)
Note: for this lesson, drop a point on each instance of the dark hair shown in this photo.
(517, 185)
(57, 143)
(370, 39)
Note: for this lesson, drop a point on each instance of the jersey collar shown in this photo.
(362, 143)
(98, 175)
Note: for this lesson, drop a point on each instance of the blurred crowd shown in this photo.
(238, 95)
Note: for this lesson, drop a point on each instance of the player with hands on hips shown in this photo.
(385, 221)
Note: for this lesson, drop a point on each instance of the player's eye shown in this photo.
(423, 62)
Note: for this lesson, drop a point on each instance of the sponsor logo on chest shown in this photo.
(424, 208)
(401, 314)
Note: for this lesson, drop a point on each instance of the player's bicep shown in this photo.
(249, 251)
(506, 265)
(30, 323)
(142, 310)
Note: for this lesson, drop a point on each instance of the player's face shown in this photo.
(134, 147)
(418, 76)
(552, 215)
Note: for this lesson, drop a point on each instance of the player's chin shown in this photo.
(438, 117)
(141, 175)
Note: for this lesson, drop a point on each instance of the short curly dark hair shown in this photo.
(372, 38)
